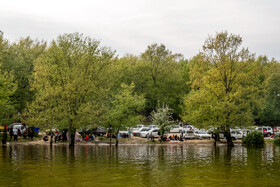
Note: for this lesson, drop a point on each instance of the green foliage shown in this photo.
(73, 81)
(162, 117)
(125, 107)
(254, 138)
(67, 82)
(277, 141)
(270, 110)
(157, 73)
(8, 87)
(19, 61)
(222, 93)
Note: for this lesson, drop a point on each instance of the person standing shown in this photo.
(11, 133)
(31, 133)
(15, 131)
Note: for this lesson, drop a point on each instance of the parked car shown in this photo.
(137, 127)
(266, 130)
(137, 132)
(18, 126)
(152, 126)
(189, 134)
(153, 133)
(235, 134)
(202, 134)
(98, 131)
(177, 129)
(145, 133)
(189, 127)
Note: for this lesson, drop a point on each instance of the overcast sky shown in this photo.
(129, 26)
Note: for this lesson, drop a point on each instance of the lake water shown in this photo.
(139, 165)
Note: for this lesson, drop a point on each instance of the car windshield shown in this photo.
(144, 130)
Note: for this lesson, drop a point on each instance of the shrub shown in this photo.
(277, 141)
(253, 138)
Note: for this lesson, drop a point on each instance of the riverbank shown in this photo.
(122, 141)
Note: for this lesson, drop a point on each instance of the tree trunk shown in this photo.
(110, 139)
(51, 142)
(4, 140)
(73, 136)
(228, 137)
(216, 138)
(71, 143)
(117, 139)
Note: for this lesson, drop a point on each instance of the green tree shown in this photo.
(270, 110)
(162, 117)
(8, 86)
(67, 76)
(124, 109)
(19, 61)
(158, 74)
(222, 92)
(165, 75)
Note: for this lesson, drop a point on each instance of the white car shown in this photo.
(177, 129)
(189, 127)
(144, 133)
(267, 131)
(18, 126)
(138, 132)
(153, 133)
(235, 134)
(189, 134)
(152, 126)
(202, 134)
(137, 127)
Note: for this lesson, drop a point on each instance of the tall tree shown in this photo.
(222, 94)
(270, 110)
(166, 83)
(19, 61)
(124, 109)
(157, 73)
(69, 74)
(8, 86)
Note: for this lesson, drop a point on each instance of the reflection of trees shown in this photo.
(144, 165)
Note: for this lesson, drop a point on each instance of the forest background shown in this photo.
(73, 82)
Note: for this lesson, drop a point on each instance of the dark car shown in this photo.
(98, 131)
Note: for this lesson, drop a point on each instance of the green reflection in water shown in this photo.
(141, 165)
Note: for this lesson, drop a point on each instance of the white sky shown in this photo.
(129, 26)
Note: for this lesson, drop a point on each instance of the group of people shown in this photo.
(89, 137)
(15, 132)
(174, 138)
(58, 136)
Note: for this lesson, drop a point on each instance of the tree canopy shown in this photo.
(222, 90)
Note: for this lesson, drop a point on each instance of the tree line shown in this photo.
(73, 82)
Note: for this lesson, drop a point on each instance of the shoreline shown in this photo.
(127, 142)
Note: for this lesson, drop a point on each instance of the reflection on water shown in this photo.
(141, 165)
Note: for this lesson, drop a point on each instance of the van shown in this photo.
(18, 126)
(266, 130)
